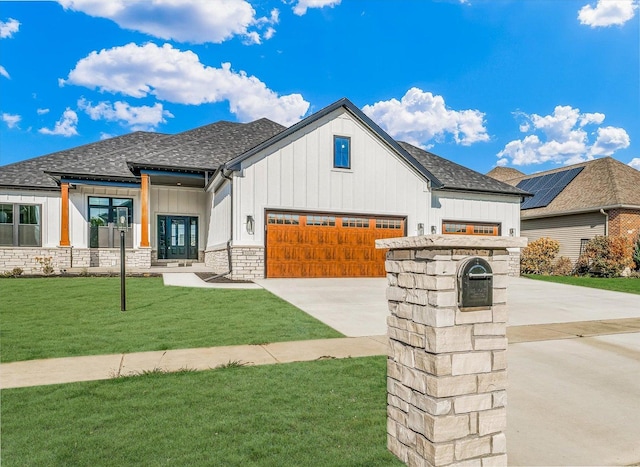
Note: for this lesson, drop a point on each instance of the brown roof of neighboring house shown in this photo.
(602, 183)
(504, 174)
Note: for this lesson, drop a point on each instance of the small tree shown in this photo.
(606, 256)
(537, 257)
(636, 253)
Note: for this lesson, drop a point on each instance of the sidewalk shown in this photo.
(98, 367)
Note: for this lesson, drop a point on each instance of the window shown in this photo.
(328, 221)
(283, 219)
(459, 228)
(102, 220)
(20, 225)
(341, 152)
(355, 222)
(389, 224)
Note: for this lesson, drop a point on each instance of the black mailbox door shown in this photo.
(475, 284)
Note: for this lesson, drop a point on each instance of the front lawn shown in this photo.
(616, 284)
(62, 317)
(323, 413)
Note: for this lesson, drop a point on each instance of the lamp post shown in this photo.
(122, 214)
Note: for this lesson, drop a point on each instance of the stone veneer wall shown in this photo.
(446, 368)
(247, 261)
(65, 258)
(514, 262)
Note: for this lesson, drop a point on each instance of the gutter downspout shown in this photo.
(606, 221)
(226, 177)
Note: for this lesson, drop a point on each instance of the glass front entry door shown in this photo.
(177, 237)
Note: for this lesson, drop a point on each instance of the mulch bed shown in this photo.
(206, 276)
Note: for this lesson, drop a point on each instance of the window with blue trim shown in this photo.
(342, 152)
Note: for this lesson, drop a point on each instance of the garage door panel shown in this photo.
(327, 245)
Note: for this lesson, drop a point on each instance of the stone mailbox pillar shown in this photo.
(447, 365)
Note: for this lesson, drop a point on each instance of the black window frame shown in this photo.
(110, 207)
(335, 154)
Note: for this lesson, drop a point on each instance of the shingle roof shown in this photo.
(206, 147)
(504, 174)
(103, 157)
(603, 182)
(457, 177)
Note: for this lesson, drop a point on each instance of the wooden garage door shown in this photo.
(325, 245)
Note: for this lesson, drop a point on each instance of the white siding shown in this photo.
(568, 230)
(220, 220)
(471, 207)
(298, 174)
(165, 200)
(50, 212)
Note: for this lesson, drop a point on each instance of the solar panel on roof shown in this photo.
(545, 188)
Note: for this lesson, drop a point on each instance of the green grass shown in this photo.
(322, 413)
(617, 284)
(61, 317)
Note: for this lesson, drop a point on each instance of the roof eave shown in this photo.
(523, 215)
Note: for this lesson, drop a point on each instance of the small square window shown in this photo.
(342, 152)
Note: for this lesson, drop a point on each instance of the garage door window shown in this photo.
(283, 219)
(355, 222)
(389, 224)
(458, 228)
(328, 221)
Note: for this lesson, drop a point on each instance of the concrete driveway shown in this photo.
(572, 401)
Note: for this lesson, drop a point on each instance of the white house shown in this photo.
(249, 200)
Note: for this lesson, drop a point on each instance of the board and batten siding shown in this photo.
(482, 208)
(220, 219)
(568, 230)
(50, 211)
(166, 200)
(297, 174)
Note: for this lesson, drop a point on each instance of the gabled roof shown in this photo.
(504, 174)
(103, 157)
(603, 183)
(206, 147)
(457, 177)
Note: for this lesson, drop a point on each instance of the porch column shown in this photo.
(64, 215)
(144, 201)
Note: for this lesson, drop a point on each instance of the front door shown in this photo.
(177, 237)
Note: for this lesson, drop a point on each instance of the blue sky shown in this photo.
(530, 84)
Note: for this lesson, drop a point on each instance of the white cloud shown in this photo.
(142, 118)
(9, 28)
(420, 117)
(608, 13)
(176, 76)
(301, 6)
(4, 72)
(11, 120)
(193, 21)
(635, 163)
(66, 126)
(562, 138)
(42, 111)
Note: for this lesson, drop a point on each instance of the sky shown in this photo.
(528, 84)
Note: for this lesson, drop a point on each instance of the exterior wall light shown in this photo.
(420, 229)
(433, 230)
(251, 224)
(512, 232)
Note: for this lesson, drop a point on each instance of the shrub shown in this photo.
(636, 253)
(605, 256)
(563, 266)
(15, 272)
(537, 257)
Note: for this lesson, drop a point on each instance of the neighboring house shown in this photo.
(249, 200)
(573, 204)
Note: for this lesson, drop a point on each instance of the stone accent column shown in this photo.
(447, 368)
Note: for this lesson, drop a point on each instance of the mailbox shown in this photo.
(475, 284)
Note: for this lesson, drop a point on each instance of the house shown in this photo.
(249, 200)
(575, 203)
